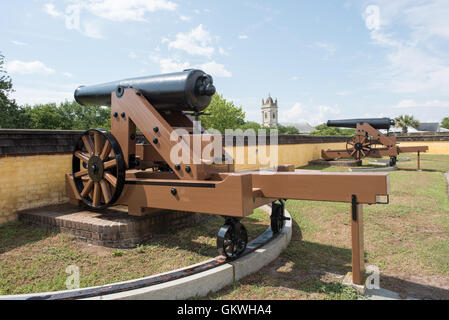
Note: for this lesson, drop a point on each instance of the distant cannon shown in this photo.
(190, 90)
(366, 138)
(377, 123)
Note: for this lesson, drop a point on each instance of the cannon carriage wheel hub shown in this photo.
(95, 168)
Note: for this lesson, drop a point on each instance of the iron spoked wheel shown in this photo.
(232, 240)
(277, 216)
(358, 147)
(101, 178)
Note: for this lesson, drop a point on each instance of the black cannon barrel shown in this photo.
(376, 123)
(190, 90)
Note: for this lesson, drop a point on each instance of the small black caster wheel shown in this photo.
(393, 161)
(278, 216)
(232, 239)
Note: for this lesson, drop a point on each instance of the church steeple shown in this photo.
(269, 112)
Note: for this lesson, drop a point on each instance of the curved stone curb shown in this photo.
(199, 284)
(261, 257)
(387, 169)
(124, 286)
(337, 163)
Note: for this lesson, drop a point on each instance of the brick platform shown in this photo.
(112, 228)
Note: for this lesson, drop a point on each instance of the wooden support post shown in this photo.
(419, 161)
(358, 257)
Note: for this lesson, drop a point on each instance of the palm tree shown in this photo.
(406, 121)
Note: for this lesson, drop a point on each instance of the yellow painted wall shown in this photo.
(296, 154)
(435, 147)
(31, 181)
(34, 181)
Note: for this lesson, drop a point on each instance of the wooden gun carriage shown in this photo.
(110, 168)
(367, 138)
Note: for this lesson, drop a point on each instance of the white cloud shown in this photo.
(410, 103)
(129, 10)
(294, 78)
(114, 10)
(67, 74)
(132, 55)
(185, 18)
(24, 95)
(243, 37)
(197, 42)
(33, 67)
(313, 114)
(51, 10)
(169, 65)
(417, 57)
(19, 43)
(216, 69)
(92, 29)
(223, 52)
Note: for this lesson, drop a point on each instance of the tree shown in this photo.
(406, 121)
(324, 130)
(9, 111)
(287, 130)
(445, 123)
(251, 125)
(223, 115)
(44, 116)
(65, 116)
(77, 117)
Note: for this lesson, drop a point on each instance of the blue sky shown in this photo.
(321, 59)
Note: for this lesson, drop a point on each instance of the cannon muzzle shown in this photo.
(377, 123)
(190, 90)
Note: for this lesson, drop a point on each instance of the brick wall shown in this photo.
(31, 181)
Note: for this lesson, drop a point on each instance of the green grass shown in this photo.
(407, 239)
(35, 260)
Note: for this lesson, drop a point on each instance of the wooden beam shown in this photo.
(322, 186)
(357, 236)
